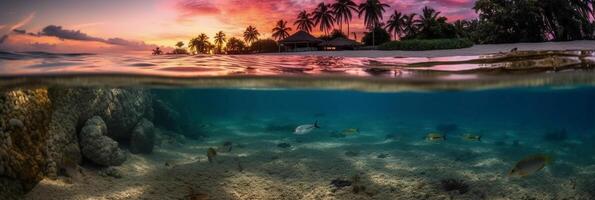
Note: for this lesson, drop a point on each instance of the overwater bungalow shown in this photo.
(300, 41)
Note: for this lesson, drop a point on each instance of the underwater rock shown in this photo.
(166, 116)
(121, 109)
(16, 123)
(99, 148)
(23, 149)
(284, 145)
(143, 138)
(454, 185)
(339, 183)
(51, 118)
(110, 172)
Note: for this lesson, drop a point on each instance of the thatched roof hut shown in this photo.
(300, 41)
(300, 37)
(340, 43)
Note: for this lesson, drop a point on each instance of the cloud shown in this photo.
(23, 22)
(19, 31)
(192, 8)
(3, 38)
(59, 32)
(57, 39)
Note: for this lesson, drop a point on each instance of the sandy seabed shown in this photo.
(256, 168)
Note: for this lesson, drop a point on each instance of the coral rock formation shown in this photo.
(99, 148)
(143, 137)
(38, 131)
(24, 118)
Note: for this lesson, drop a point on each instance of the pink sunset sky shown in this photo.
(114, 25)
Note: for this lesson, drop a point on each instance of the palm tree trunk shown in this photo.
(348, 33)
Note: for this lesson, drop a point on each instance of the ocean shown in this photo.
(226, 127)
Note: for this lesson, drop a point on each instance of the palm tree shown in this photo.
(200, 44)
(251, 34)
(219, 40)
(281, 31)
(372, 11)
(343, 10)
(428, 18)
(304, 22)
(410, 24)
(180, 44)
(395, 24)
(323, 16)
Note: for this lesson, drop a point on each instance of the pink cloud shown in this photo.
(191, 8)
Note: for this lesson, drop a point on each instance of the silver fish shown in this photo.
(306, 128)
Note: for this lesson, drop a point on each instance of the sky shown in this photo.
(137, 25)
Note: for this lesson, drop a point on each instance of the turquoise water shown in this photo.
(374, 118)
(513, 123)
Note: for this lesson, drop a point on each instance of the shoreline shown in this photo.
(472, 51)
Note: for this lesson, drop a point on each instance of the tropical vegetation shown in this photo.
(235, 46)
(304, 22)
(426, 44)
(323, 17)
(281, 31)
(251, 34)
(265, 46)
(498, 21)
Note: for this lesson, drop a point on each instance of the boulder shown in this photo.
(121, 109)
(24, 119)
(166, 116)
(97, 147)
(143, 138)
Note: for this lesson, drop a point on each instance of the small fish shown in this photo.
(350, 131)
(227, 146)
(435, 137)
(306, 128)
(211, 153)
(530, 165)
(471, 137)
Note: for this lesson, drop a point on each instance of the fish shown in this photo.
(227, 146)
(211, 153)
(435, 137)
(350, 131)
(530, 165)
(306, 128)
(471, 137)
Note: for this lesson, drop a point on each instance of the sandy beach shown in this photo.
(475, 50)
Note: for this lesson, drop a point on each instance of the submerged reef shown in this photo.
(47, 130)
(97, 146)
(24, 120)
